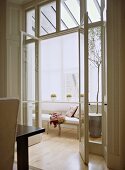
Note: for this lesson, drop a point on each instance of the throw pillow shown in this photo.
(71, 111)
(76, 115)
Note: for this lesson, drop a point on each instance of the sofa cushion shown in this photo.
(71, 120)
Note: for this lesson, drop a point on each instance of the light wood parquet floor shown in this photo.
(61, 153)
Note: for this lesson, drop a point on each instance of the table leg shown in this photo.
(47, 127)
(22, 153)
(59, 129)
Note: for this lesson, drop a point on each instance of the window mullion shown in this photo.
(58, 2)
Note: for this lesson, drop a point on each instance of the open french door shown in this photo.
(83, 88)
(30, 83)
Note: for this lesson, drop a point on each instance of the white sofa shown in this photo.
(45, 117)
(59, 107)
(68, 120)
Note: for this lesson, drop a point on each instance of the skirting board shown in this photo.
(113, 162)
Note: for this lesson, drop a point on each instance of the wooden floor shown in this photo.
(61, 153)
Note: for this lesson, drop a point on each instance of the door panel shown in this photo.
(29, 82)
(83, 71)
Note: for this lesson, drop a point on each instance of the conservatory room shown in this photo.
(62, 73)
(58, 62)
(61, 91)
(57, 72)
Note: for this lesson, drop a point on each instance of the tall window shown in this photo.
(62, 59)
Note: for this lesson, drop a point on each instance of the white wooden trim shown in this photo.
(21, 81)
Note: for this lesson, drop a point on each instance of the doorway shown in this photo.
(54, 74)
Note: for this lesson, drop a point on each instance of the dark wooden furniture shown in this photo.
(23, 132)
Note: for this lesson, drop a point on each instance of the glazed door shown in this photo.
(83, 90)
(29, 81)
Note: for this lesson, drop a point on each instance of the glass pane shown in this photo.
(94, 10)
(48, 18)
(81, 64)
(59, 73)
(95, 64)
(29, 69)
(28, 88)
(95, 83)
(99, 1)
(30, 22)
(104, 12)
(81, 110)
(70, 14)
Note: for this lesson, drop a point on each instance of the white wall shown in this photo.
(3, 49)
(13, 50)
(9, 49)
(48, 107)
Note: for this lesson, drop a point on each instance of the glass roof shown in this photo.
(48, 18)
(94, 10)
(70, 14)
(99, 1)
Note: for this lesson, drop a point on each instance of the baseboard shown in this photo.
(113, 162)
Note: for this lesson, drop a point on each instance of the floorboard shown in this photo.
(61, 153)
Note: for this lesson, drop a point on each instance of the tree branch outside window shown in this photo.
(95, 54)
